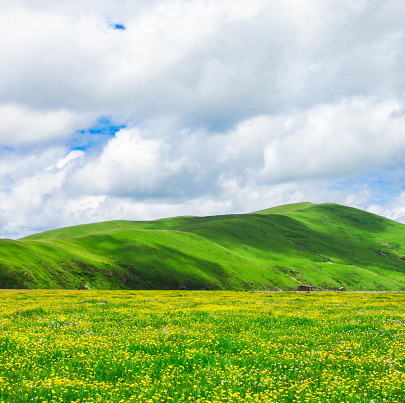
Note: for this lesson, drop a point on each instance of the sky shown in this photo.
(143, 109)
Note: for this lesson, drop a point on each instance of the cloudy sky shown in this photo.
(142, 109)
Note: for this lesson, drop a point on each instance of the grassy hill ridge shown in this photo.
(327, 245)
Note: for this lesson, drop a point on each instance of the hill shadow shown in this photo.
(156, 265)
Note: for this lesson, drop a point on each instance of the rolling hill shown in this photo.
(326, 245)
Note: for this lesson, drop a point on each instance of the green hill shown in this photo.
(326, 245)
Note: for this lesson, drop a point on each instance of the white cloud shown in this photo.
(201, 61)
(395, 209)
(230, 106)
(69, 157)
(127, 165)
(21, 125)
(334, 140)
(15, 166)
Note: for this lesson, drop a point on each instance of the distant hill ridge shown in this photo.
(326, 245)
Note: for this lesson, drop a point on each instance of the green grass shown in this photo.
(286, 208)
(326, 245)
(193, 346)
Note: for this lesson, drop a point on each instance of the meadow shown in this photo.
(201, 346)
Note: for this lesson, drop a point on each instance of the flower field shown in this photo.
(189, 346)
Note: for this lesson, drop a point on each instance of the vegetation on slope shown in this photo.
(326, 245)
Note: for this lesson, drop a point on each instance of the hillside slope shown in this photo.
(327, 245)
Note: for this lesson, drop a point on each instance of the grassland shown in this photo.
(326, 245)
(201, 346)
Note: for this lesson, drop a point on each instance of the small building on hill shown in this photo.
(306, 288)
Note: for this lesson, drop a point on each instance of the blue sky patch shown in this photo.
(118, 26)
(95, 137)
(383, 186)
